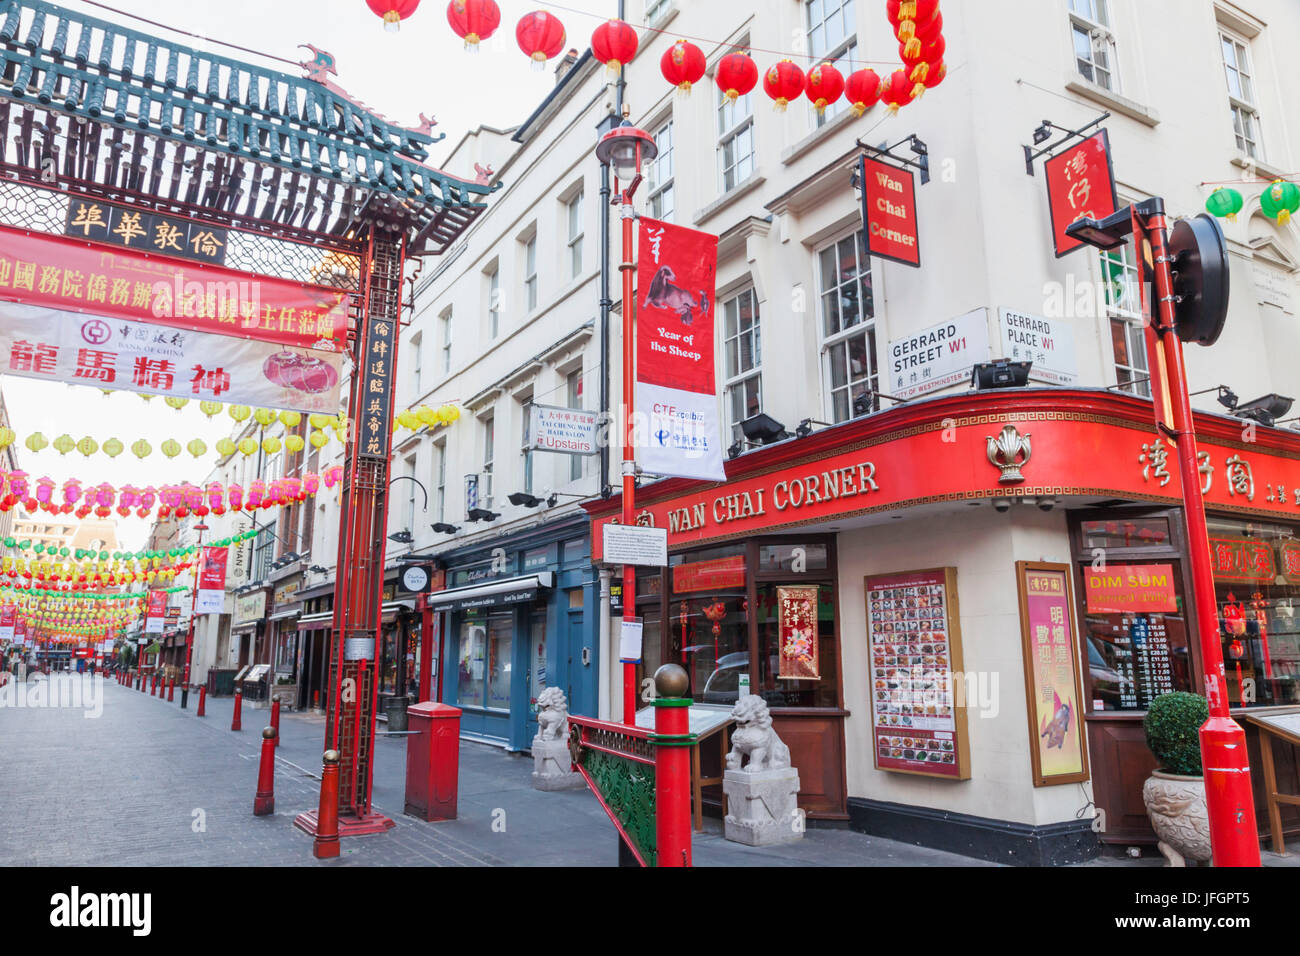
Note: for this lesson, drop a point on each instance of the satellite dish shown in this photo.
(1200, 267)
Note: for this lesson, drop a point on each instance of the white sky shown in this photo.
(421, 68)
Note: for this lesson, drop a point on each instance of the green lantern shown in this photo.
(1280, 200)
(1224, 203)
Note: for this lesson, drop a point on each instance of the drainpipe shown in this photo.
(606, 652)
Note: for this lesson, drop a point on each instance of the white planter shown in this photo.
(1176, 807)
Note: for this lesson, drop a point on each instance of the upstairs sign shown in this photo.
(889, 212)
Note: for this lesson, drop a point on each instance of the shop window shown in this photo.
(1126, 533)
(1093, 39)
(793, 558)
(848, 329)
(832, 38)
(486, 646)
(537, 676)
(709, 622)
(1257, 593)
(784, 691)
(388, 660)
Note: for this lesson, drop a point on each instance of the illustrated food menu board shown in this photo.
(918, 716)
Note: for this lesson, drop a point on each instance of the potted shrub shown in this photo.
(1175, 792)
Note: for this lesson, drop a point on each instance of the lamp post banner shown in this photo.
(54, 345)
(155, 611)
(676, 386)
(211, 594)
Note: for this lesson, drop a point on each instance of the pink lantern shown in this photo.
(256, 492)
(215, 495)
(104, 495)
(148, 495)
(310, 482)
(236, 495)
(18, 484)
(44, 490)
(71, 491)
(193, 497)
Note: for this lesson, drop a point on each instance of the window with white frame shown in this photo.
(444, 321)
(832, 38)
(1241, 93)
(485, 474)
(440, 481)
(742, 347)
(1093, 38)
(525, 409)
(409, 509)
(494, 301)
(735, 139)
(848, 329)
(417, 360)
(654, 9)
(1123, 301)
(573, 388)
(660, 181)
(573, 213)
(530, 273)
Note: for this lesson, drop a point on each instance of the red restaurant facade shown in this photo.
(958, 609)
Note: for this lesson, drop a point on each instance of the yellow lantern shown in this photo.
(264, 416)
(226, 447)
(64, 444)
(294, 443)
(7, 437)
(318, 439)
(87, 446)
(176, 403)
(426, 416)
(171, 448)
(453, 413)
(112, 447)
(248, 446)
(239, 413)
(141, 449)
(290, 419)
(318, 420)
(270, 445)
(147, 398)
(197, 447)
(35, 442)
(209, 408)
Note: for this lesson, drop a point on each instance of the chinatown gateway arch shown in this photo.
(136, 155)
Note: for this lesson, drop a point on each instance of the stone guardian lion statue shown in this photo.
(754, 738)
(552, 714)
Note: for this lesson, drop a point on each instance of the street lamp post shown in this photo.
(189, 637)
(625, 148)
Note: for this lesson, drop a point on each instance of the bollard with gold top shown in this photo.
(673, 741)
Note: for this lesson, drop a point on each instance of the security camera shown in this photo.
(1002, 505)
(1046, 504)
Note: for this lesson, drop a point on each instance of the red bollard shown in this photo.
(153, 686)
(275, 719)
(673, 740)
(326, 844)
(236, 722)
(203, 696)
(264, 802)
(315, 700)
(171, 690)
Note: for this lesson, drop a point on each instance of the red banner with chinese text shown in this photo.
(78, 349)
(76, 276)
(797, 633)
(1080, 184)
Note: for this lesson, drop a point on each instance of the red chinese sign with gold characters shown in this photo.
(1130, 589)
(132, 284)
(1242, 559)
(796, 616)
(889, 212)
(718, 574)
(1080, 185)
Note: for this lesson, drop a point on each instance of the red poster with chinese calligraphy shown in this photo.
(80, 349)
(1130, 589)
(75, 276)
(796, 617)
(889, 212)
(1242, 559)
(1051, 674)
(676, 387)
(1080, 184)
(718, 574)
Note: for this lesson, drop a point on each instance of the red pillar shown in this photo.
(627, 267)
(673, 740)
(236, 720)
(171, 690)
(264, 801)
(1234, 836)
(326, 843)
(275, 719)
(203, 697)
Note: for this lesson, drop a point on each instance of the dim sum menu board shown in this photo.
(918, 717)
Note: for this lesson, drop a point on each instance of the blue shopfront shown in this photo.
(517, 617)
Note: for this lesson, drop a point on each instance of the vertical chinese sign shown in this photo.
(1080, 185)
(1051, 674)
(376, 381)
(676, 388)
(155, 611)
(797, 633)
(212, 581)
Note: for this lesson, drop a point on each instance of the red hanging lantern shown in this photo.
(682, 65)
(393, 11)
(929, 31)
(824, 86)
(783, 82)
(897, 91)
(473, 20)
(737, 75)
(614, 43)
(541, 36)
(863, 90)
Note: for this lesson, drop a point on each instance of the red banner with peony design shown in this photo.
(797, 633)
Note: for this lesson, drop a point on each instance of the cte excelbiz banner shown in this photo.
(676, 390)
(212, 581)
(155, 612)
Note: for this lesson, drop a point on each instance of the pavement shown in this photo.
(144, 783)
